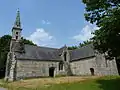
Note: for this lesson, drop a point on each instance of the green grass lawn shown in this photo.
(103, 83)
(99, 84)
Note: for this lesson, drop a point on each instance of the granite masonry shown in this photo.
(28, 61)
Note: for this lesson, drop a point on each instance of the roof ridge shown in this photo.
(42, 47)
(81, 47)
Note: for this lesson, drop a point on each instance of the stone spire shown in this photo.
(16, 30)
(17, 23)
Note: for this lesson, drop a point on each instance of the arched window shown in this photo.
(61, 66)
(65, 56)
(17, 33)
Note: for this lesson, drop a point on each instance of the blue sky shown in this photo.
(51, 23)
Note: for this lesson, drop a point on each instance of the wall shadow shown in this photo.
(111, 84)
(2, 73)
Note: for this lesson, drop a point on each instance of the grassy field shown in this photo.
(65, 83)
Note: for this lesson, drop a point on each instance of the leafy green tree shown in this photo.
(85, 43)
(72, 47)
(25, 41)
(4, 49)
(106, 15)
(80, 45)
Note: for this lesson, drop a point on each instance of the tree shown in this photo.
(4, 49)
(25, 41)
(85, 43)
(80, 45)
(72, 47)
(106, 15)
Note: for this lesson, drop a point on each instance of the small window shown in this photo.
(16, 37)
(65, 54)
(17, 33)
(61, 66)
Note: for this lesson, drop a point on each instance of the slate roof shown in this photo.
(46, 53)
(84, 52)
(39, 53)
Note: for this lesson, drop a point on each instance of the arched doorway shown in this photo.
(92, 71)
(51, 71)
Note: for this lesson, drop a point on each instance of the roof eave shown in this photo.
(78, 59)
(38, 59)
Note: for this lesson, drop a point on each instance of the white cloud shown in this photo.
(46, 22)
(85, 33)
(41, 37)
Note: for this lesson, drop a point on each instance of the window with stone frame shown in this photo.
(61, 65)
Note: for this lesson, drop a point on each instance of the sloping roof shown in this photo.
(46, 53)
(83, 52)
(39, 53)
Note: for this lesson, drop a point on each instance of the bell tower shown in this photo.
(16, 30)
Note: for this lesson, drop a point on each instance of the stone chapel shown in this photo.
(28, 61)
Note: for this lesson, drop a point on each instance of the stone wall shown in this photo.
(82, 67)
(98, 63)
(14, 34)
(67, 66)
(106, 67)
(32, 68)
(10, 67)
(40, 68)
